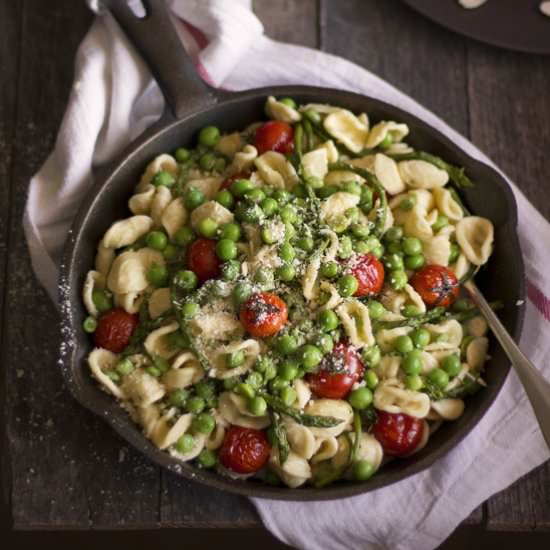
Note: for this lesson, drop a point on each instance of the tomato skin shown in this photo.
(398, 433)
(369, 272)
(274, 136)
(203, 260)
(263, 314)
(244, 450)
(331, 385)
(115, 329)
(228, 182)
(436, 284)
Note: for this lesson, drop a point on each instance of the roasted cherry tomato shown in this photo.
(337, 372)
(263, 314)
(436, 284)
(203, 260)
(115, 329)
(369, 272)
(274, 136)
(398, 433)
(228, 182)
(244, 450)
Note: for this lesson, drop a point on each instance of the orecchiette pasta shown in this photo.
(276, 170)
(475, 237)
(347, 129)
(280, 111)
(129, 270)
(354, 316)
(422, 174)
(396, 400)
(380, 131)
(125, 232)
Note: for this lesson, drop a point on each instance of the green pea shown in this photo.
(414, 262)
(287, 252)
(255, 380)
(441, 222)
(352, 215)
(347, 285)
(377, 251)
(235, 359)
(290, 232)
(177, 398)
(230, 383)
(305, 243)
(412, 362)
(371, 378)
(438, 377)
(246, 390)
(394, 262)
(209, 136)
(455, 253)
(371, 356)
(313, 116)
(231, 270)
(226, 249)
(289, 102)
(163, 178)
(462, 304)
(178, 340)
(269, 206)
(271, 478)
(185, 443)
(326, 191)
(189, 310)
(267, 235)
(255, 195)
(403, 344)
(328, 320)
(156, 240)
(281, 196)
(207, 162)
(219, 165)
(278, 384)
(313, 182)
(193, 197)
(157, 275)
(411, 311)
(329, 270)
(125, 366)
(208, 228)
(376, 309)
(204, 423)
(225, 198)
(288, 214)
(362, 470)
(286, 344)
(153, 371)
(257, 405)
(361, 247)
(89, 324)
(412, 246)
(288, 370)
(386, 142)
(288, 395)
(186, 280)
(360, 230)
(101, 301)
(393, 234)
(310, 356)
(325, 343)
(398, 279)
(408, 203)
(285, 273)
(360, 398)
(195, 404)
(182, 155)
(451, 365)
(346, 247)
(170, 252)
(241, 293)
(230, 231)
(205, 389)
(183, 236)
(352, 187)
(421, 338)
(249, 213)
(161, 364)
(367, 198)
(241, 186)
(414, 382)
(262, 364)
(394, 248)
(207, 459)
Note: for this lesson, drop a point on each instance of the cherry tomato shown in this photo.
(244, 450)
(337, 372)
(398, 433)
(263, 314)
(115, 329)
(369, 272)
(274, 136)
(436, 284)
(228, 182)
(203, 260)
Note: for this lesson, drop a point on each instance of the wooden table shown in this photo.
(67, 469)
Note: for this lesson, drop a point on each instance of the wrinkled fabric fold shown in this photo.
(114, 99)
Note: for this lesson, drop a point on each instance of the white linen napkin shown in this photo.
(114, 98)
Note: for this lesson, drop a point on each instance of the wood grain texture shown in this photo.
(509, 113)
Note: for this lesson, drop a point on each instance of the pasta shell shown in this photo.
(295, 471)
(396, 400)
(330, 148)
(309, 280)
(369, 450)
(330, 407)
(379, 132)
(251, 350)
(315, 163)
(279, 111)
(461, 266)
(388, 367)
(447, 205)
(337, 205)
(159, 302)
(276, 170)
(174, 216)
(230, 144)
(243, 160)
(477, 326)
(184, 372)
(303, 393)
(94, 279)
(142, 388)
(130, 301)
(161, 200)
(300, 438)
(437, 250)
(163, 162)
(339, 177)
(213, 210)
(476, 353)
(199, 441)
(209, 186)
(129, 270)
(416, 225)
(475, 237)
(104, 259)
(157, 343)
(448, 409)
(140, 203)
(128, 231)
(334, 296)
(166, 432)
(421, 174)
(451, 328)
(346, 128)
(355, 319)
(385, 169)
(233, 409)
(386, 337)
(101, 360)
(326, 449)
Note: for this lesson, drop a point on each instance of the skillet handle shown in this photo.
(157, 41)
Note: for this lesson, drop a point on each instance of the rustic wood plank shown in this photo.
(290, 21)
(509, 113)
(68, 468)
(10, 40)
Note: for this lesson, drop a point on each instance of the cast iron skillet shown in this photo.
(195, 105)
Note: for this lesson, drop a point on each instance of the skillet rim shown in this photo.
(118, 419)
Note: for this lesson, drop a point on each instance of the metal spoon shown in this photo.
(535, 385)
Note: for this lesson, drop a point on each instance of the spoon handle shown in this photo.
(535, 385)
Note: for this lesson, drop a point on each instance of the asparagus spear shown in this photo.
(312, 421)
(280, 435)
